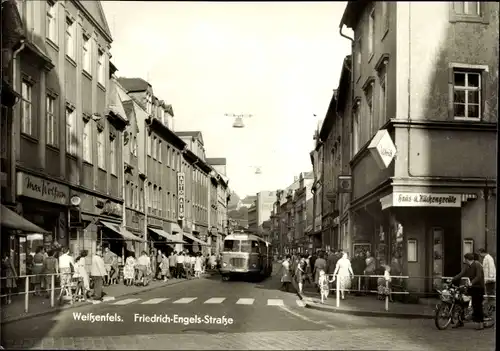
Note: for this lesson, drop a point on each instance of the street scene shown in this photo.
(223, 175)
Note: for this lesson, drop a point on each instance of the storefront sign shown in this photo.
(42, 189)
(180, 194)
(425, 200)
(382, 148)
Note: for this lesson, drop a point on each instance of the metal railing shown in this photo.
(395, 281)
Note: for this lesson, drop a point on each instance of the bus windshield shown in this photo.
(249, 246)
(231, 245)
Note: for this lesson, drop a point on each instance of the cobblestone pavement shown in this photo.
(256, 326)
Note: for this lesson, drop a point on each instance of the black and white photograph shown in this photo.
(223, 175)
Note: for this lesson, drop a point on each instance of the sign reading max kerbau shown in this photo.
(41, 189)
(426, 200)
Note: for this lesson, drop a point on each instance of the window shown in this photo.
(369, 110)
(158, 153)
(383, 99)
(134, 146)
(371, 33)
(71, 137)
(51, 121)
(153, 147)
(70, 38)
(87, 54)
(168, 156)
(101, 146)
(51, 25)
(100, 67)
(356, 131)
(385, 16)
(87, 141)
(148, 144)
(27, 108)
(112, 154)
(467, 8)
(467, 95)
(358, 58)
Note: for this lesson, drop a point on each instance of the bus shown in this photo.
(246, 254)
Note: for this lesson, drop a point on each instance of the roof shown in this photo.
(249, 199)
(95, 10)
(216, 161)
(352, 13)
(194, 134)
(344, 84)
(133, 84)
(329, 119)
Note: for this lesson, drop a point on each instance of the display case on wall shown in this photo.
(361, 248)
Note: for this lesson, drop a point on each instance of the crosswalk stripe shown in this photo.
(244, 301)
(154, 301)
(125, 302)
(215, 300)
(275, 302)
(186, 300)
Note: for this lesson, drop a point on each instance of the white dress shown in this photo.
(82, 272)
(197, 264)
(343, 270)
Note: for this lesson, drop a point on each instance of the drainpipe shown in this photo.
(13, 132)
(408, 116)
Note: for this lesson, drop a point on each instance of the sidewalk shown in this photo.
(368, 306)
(39, 306)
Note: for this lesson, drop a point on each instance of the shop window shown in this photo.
(412, 250)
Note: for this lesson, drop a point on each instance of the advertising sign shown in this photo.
(181, 194)
(382, 148)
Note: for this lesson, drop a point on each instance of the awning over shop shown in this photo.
(10, 219)
(121, 231)
(195, 239)
(170, 238)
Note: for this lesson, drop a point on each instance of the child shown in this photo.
(384, 284)
(324, 285)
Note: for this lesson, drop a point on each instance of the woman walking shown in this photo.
(50, 268)
(129, 269)
(286, 277)
(164, 267)
(198, 266)
(37, 270)
(343, 272)
(9, 272)
(301, 273)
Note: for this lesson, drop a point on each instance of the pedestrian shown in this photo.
(384, 284)
(159, 261)
(370, 266)
(98, 273)
(37, 270)
(153, 265)
(198, 266)
(301, 273)
(358, 266)
(172, 262)
(324, 285)
(66, 268)
(144, 268)
(81, 272)
(180, 265)
(165, 268)
(286, 277)
(50, 268)
(490, 272)
(129, 269)
(343, 273)
(109, 258)
(10, 275)
(319, 264)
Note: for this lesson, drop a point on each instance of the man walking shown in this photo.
(98, 272)
(172, 263)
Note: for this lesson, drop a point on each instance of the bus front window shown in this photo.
(249, 246)
(231, 245)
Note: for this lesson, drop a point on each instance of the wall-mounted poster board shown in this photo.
(361, 248)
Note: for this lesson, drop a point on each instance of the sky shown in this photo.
(278, 62)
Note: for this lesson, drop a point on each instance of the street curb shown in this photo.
(315, 306)
(62, 308)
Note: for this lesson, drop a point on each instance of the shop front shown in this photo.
(214, 241)
(194, 244)
(165, 241)
(134, 223)
(44, 203)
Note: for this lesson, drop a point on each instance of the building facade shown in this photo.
(219, 230)
(253, 223)
(424, 107)
(316, 235)
(303, 203)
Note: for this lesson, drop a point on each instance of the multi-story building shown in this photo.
(219, 232)
(197, 172)
(316, 240)
(253, 221)
(423, 132)
(213, 211)
(65, 143)
(264, 205)
(159, 182)
(303, 209)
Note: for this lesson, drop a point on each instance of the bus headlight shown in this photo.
(224, 264)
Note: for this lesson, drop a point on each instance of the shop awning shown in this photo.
(10, 219)
(195, 239)
(121, 231)
(171, 239)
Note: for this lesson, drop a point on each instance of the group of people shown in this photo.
(160, 266)
(480, 271)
